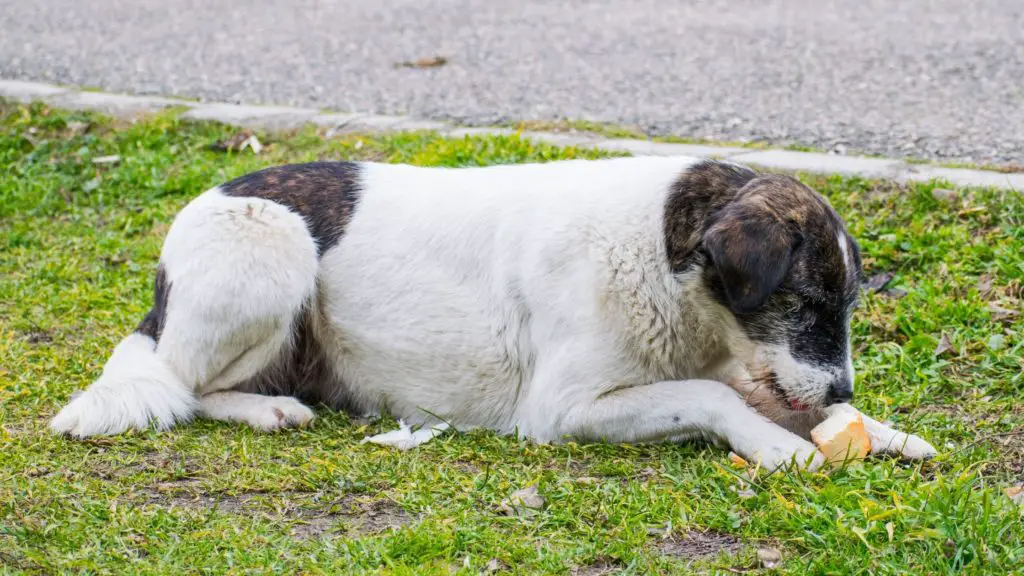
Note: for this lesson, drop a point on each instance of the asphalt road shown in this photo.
(940, 79)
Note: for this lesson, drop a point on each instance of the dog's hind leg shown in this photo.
(235, 275)
(264, 413)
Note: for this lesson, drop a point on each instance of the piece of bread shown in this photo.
(841, 437)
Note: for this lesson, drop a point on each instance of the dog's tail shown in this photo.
(137, 388)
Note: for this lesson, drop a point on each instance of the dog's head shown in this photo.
(785, 273)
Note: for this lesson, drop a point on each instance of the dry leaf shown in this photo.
(890, 529)
(746, 493)
(493, 565)
(429, 62)
(113, 159)
(878, 282)
(1015, 493)
(737, 460)
(239, 142)
(769, 557)
(999, 313)
(523, 502)
(985, 284)
(944, 347)
(896, 293)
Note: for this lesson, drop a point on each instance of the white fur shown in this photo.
(531, 298)
(135, 389)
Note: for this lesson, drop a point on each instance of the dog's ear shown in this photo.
(750, 250)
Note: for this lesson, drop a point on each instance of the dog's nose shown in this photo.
(839, 392)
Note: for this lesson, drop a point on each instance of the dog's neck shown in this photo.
(685, 333)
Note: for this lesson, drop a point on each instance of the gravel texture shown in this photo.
(935, 79)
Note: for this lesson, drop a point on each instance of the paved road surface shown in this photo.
(923, 78)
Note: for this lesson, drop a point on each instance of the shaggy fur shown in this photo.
(624, 300)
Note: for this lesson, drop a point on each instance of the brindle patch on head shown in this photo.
(153, 324)
(780, 230)
(783, 239)
(780, 233)
(700, 191)
(325, 194)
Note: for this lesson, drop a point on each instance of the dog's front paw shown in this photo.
(780, 451)
(905, 446)
(773, 458)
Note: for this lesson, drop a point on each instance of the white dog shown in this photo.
(625, 300)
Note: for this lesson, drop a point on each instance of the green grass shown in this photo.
(78, 248)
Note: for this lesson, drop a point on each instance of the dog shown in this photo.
(623, 300)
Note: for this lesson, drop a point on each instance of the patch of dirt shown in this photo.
(600, 567)
(466, 467)
(700, 545)
(373, 516)
(309, 515)
(175, 494)
(39, 336)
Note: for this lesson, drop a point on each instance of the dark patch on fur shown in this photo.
(302, 371)
(700, 192)
(325, 194)
(153, 324)
(767, 247)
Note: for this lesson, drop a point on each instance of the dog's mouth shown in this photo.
(772, 380)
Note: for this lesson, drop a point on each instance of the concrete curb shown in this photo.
(279, 118)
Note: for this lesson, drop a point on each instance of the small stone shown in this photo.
(996, 342)
(77, 128)
(90, 185)
(769, 557)
(493, 565)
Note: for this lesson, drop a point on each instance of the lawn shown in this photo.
(939, 351)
